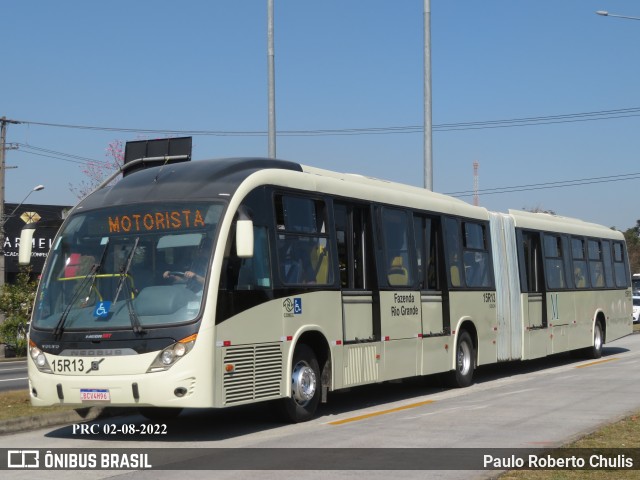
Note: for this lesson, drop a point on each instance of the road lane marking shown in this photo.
(382, 412)
(13, 379)
(598, 362)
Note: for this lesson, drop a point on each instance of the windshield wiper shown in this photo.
(91, 277)
(124, 271)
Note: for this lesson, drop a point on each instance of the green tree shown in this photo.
(16, 301)
(632, 236)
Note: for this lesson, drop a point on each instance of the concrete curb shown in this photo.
(34, 422)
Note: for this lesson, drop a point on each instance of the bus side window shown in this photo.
(396, 228)
(530, 253)
(425, 235)
(477, 269)
(304, 256)
(554, 265)
(255, 272)
(608, 264)
(452, 246)
(595, 263)
(353, 235)
(579, 263)
(620, 266)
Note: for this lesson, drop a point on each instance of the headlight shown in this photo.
(38, 358)
(170, 355)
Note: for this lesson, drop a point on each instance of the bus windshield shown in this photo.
(136, 266)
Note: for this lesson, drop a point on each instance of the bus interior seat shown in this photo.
(455, 275)
(320, 264)
(398, 274)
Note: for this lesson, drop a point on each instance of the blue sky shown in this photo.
(201, 65)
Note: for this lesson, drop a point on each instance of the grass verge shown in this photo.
(16, 403)
(622, 434)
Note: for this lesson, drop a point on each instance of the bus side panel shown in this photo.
(473, 305)
(581, 332)
(400, 358)
(401, 321)
(561, 314)
(250, 343)
(361, 364)
(537, 343)
(619, 321)
(436, 354)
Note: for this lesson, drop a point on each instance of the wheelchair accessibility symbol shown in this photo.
(292, 308)
(102, 310)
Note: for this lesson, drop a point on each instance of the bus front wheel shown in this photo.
(305, 387)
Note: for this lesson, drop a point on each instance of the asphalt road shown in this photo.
(542, 403)
(13, 375)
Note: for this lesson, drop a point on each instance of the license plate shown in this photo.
(94, 395)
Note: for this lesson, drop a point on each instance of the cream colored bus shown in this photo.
(217, 283)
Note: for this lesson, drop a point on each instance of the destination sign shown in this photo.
(147, 222)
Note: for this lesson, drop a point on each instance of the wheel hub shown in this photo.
(464, 359)
(304, 383)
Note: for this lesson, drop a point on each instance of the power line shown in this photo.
(407, 129)
(505, 123)
(67, 157)
(43, 152)
(549, 185)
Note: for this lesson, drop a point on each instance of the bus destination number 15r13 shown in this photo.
(63, 365)
(490, 297)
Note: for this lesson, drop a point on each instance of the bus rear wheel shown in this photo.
(462, 376)
(305, 387)
(595, 351)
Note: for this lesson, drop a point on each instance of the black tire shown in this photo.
(305, 387)
(595, 351)
(462, 376)
(159, 413)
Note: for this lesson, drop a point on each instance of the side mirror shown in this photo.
(244, 238)
(26, 243)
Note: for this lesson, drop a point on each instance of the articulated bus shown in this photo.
(216, 283)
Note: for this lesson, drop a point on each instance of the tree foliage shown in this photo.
(16, 301)
(97, 172)
(632, 236)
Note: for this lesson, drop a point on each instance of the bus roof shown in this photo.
(215, 178)
(557, 223)
(207, 179)
(195, 180)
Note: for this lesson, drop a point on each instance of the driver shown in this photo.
(194, 277)
(188, 276)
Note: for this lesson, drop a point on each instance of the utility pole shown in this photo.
(3, 148)
(271, 81)
(428, 140)
(476, 196)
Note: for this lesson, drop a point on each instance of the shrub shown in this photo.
(16, 301)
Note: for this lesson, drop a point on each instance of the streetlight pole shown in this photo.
(3, 220)
(428, 143)
(271, 81)
(604, 13)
